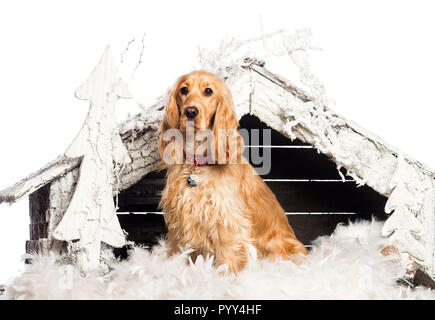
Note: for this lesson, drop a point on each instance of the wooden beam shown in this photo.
(421, 278)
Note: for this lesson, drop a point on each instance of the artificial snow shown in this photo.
(346, 265)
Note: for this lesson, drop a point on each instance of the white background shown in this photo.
(377, 64)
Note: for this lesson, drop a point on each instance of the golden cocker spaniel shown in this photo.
(214, 204)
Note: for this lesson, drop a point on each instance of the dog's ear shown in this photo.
(170, 118)
(228, 142)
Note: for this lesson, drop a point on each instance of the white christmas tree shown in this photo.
(403, 228)
(91, 215)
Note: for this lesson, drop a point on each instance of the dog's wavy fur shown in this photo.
(231, 208)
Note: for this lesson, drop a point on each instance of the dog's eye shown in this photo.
(208, 92)
(184, 90)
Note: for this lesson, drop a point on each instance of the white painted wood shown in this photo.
(241, 91)
(411, 226)
(61, 192)
(91, 215)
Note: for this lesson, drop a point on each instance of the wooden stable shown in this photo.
(325, 170)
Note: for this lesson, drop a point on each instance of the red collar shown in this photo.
(199, 160)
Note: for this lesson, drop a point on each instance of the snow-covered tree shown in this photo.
(91, 215)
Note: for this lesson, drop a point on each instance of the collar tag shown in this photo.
(192, 180)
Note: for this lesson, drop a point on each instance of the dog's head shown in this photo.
(203, 100)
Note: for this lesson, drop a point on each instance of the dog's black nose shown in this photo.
(191, 112)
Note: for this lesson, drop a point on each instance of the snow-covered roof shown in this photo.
(38, 179)
(408, 183)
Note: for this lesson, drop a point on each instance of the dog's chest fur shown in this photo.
(206, 215)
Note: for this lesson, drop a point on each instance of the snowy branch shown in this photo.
(126, 50)
(139, 60)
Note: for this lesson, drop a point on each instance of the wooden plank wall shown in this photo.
(38, 205)
(306, 183)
